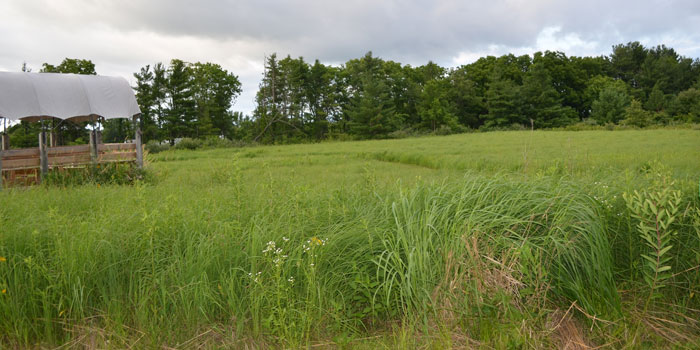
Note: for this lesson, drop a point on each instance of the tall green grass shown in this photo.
(318, 244)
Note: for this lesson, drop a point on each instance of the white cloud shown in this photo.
(122, 36)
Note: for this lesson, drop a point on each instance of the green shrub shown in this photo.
(189, 143)
(155, 146)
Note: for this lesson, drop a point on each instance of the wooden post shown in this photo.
(1, 154)
(5, 142)
(93, 146)
(139, 146)
(53, 139)
(43, 154)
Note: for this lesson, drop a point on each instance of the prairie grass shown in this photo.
(495, 240)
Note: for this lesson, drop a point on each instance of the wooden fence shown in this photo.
(25, 167)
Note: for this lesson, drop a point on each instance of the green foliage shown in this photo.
(542, 102)
(370, 113)
(24, 135)
(154, 146)
(188, 143)
(656, 101)
(656, 211)
(71, 65)
(185, 100)
(504, 104)
(635, 115)
(687, 105)
(452, 233)
(101, 174)
(610, 105)
(434, 108)
(370, 97)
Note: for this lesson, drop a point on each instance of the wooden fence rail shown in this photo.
(23, 166)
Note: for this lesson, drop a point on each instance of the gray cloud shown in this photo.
(122, 36)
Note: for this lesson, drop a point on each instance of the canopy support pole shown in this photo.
(4, 137)
(52, 136)
(93, 146)
(43, 155)
(139, 147)
(4, 142)
(2, 151)
(98, 138)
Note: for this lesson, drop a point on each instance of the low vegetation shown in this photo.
(506, 240)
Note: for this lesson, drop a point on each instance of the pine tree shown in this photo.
(146, 99)
(656, 101)
(371, 112)
(609, 107)
(541, 102)
(504, 104)
(180, 114)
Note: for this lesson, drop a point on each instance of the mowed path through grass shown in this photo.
(368, 236)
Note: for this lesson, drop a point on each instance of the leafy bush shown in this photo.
(188, 143)
(155, 146)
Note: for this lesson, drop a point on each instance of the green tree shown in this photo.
(180, 116)
(627, 60)
(686, 106)
(665, 68)
(541, 102)
(635, 115)
(214, 91)
(147, 103)
(371, 113)
(268, 113)
(467, 100)
(321, 96)
(610, 98)
(71, 65)
(435, 109)
(656, 101)
(567, 76)
(504, 104)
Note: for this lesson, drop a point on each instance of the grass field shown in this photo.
(505, 240)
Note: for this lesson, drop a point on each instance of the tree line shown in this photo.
(374, 98)
(370, 97)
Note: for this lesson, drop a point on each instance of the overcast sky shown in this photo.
(122, 36)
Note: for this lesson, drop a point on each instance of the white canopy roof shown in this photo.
(35, 96)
